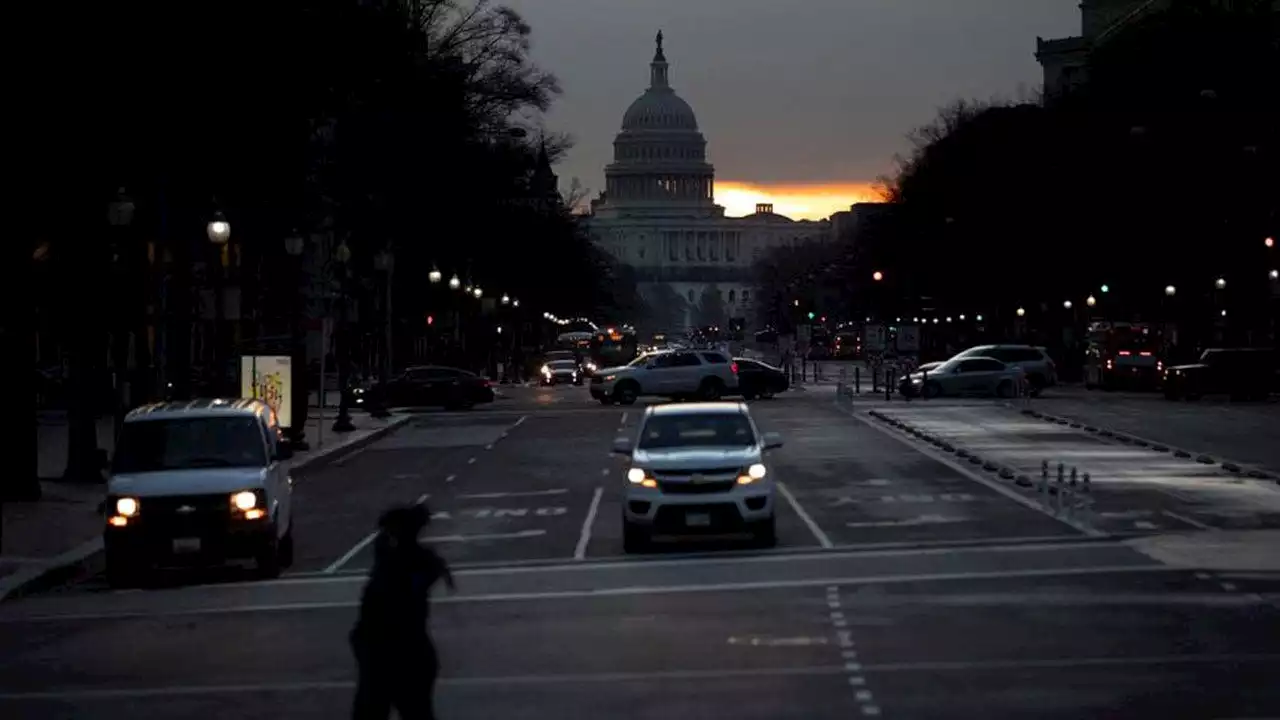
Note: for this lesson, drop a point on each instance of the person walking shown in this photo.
(396, 659)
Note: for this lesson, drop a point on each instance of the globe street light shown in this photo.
(1022, 312)
(1220, 283)
(506, 299)
(1106, 288)
(454, 283)
(218, 230)
(434, 276)
(1170, 290)
(515, 302)
(1091, 300)
(478, 292)
(1066, 304)
(877, 276)
(1275, 274)
(294, 246)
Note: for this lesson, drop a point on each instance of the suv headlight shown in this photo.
(637, 476)
(244, 500)
(757, 471)
(127, 507)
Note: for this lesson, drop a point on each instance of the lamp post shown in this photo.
(120, 216)
(385, 263)
(219, 233)
(342, 423)
(434, 276)
(294, 247)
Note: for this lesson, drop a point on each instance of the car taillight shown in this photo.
(1145, 353)
(733, 367)
(1125, 353)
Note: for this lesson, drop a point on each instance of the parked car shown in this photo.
(1241, 373)
(198, 482)
(427, 386)
(1034, 361)
(697, 468)
(963, 376)
(703, 374)
(757, 379)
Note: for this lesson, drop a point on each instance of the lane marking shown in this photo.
(604, 471)
(355, 550)
(623, 422)
(519, 422)
(965, 472)
(450, 478)
(423, 498)
(580, 552)
(1190, 521)
(531, 493)
(519, 567)
(489, 446)
(631, 591)
(659, 675)
(818, 534)
(491, 536)
(471, 461)
(406, 476)
(909, 522)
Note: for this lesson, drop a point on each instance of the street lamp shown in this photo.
(294, 246)
(1269, 242)
(877, 276)
(1106, 288)
(454, 282)
(1170, 290)
(218, 230)
(1220, 283)
(1066, 304)
(1275, 274)
(478, 292)
(1022, 312)
(435, 276)
(342, 423)
(506, 299)
(515, 303)
(1091, 300)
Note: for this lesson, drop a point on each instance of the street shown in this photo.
(904, 584)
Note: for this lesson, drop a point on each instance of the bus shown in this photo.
(1123, 355)
(614, 346)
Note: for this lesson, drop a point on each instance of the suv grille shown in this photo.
(689, 488)
(682, 473)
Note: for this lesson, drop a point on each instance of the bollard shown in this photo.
(1062, 482)
(1071, 492)
(857, 381)
(1086, 495)
(888, 384)
(924, 382)
(1043, 486)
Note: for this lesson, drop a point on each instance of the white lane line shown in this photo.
(623, 422)
(355, 550)
(518, 423)
(423, 498)
(491, 536)
(1190, 521)
(821, 536)
(471, 461)
(13, 618)
(1229, 587)
(519, 567)
(580, 552)
(450, 478)
(489, 446)
(1013, 495)
(531, 493)
(632, 677)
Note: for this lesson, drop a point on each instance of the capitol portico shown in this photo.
(658, 215)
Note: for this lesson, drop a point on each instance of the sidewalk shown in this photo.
(61, 534)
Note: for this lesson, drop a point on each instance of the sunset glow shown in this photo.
(798, 202)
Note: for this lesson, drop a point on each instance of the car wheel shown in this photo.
(634, 538)
(766, 533)
(286, 548)
(268, 560)
(626, 393)
(711, 389)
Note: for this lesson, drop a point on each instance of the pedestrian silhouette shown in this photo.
(396, 660)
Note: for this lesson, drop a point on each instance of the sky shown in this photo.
(803, 103)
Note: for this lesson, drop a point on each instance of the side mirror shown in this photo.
(622, 446)
(772, 441)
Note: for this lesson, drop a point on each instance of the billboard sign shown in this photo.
(269, 378)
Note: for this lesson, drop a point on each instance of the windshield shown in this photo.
(640, 361)
(561, 356)
(704, 430)
(181, 444)
(562, 365)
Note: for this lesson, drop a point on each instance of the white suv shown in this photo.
(697, 468)
(200, 481)
(702, 374)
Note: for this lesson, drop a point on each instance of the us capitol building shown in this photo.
(658, 215)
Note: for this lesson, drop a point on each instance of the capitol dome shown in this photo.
(659, 156)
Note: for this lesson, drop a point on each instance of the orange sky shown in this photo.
(799, 202)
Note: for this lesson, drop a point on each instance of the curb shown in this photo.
(1257, 473)
(943, 444)
(87, 558)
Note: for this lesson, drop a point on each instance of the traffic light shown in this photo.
(431, 320)
(811, 315)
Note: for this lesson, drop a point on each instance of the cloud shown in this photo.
(796, 201)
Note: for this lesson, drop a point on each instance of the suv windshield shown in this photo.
(562, 365)
(188, 443)
(641, 361)
(710, 429)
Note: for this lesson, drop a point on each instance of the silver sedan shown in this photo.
(967, 376)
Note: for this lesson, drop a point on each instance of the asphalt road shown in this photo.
(902, 587)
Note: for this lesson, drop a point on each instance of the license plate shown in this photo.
(697, 520)
(186, 545)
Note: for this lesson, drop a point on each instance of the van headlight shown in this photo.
(244, 500)
(757, 471)
(127, 506)
(636, 475)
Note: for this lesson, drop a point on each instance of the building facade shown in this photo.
(658, 215)
(1065, 60)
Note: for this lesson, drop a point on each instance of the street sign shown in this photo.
(876, 338)
(908, 338)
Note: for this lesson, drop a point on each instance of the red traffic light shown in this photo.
(431, 320)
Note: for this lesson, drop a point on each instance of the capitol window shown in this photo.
(731, 297)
